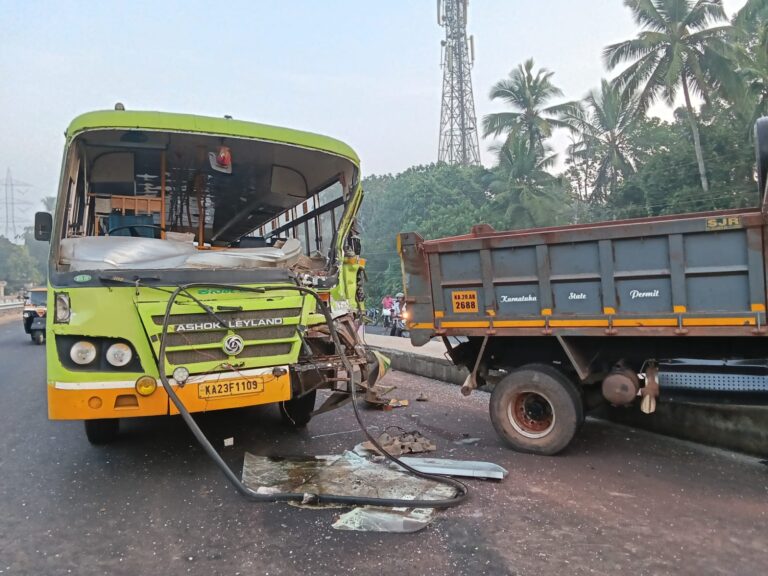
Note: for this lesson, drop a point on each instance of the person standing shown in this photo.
(398, 315)
(386, 309)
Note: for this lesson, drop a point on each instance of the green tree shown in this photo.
(677, 48)
(603, 127)
(666, 180)
(17, 267)
(529, 95)
(746, 86)
(435, 200)
(523, 190)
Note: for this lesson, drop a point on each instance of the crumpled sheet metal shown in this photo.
(448, 467)
(371, 519)
(347, 474)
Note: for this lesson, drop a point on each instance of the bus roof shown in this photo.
(168, 121)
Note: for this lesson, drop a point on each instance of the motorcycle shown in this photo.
(34, 314)
(399, 327)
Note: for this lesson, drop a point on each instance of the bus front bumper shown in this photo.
(119, 399)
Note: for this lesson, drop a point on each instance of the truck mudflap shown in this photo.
(418, 291)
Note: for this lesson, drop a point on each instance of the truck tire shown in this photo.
(102, 431)
(761, 152)
(297, 412)
(536, 409)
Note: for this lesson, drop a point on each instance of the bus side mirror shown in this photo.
(43, 226)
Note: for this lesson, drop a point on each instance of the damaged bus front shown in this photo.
(212, 250)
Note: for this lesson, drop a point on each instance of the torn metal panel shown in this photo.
(465, 468)
(370, 519)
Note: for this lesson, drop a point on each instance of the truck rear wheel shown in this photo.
(536, 409)
(297, 412)
(102, 430)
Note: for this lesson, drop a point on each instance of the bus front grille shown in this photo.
(184, 357)
(177, 339)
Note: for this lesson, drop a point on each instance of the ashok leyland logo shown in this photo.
(233, 345)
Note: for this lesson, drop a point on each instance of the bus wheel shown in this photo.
(297, 412)
(102, 431)
(38, 337)
(536, 409)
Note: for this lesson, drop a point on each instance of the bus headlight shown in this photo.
(62, 310)
(146, 385)
(181, 375)
(82, 352)
(119, 354)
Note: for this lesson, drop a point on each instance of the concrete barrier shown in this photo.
(11, 310)
(740, 428)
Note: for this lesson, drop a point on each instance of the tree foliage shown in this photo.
(17, 267)
(677, 48)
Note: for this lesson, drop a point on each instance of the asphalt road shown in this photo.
(617, 501)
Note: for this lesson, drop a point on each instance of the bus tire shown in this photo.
(297, 412)
(102, 430)
(536, 409)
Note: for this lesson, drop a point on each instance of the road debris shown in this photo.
(370, 519)
(229, 441)
(393, 403)
(345, 474)
(406, 443)
(352, 475)
(422, 398)
(465, 468)
(467, 441)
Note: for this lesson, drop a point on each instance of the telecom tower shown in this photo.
(11, 203)
(458, 124)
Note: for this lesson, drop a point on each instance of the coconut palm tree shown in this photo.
(522, 186)
(602, 128)
(676, 49)
(747, 87)
(529, 95)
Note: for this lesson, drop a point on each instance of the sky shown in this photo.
(366, 72)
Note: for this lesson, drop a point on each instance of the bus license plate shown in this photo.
(226, 388)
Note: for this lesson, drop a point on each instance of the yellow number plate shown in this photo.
(464, 301)
(227, 388)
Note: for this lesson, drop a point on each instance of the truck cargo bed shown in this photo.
(684, 275)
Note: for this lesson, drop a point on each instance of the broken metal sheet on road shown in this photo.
(371, 519)
(465, 468)
(348, 474)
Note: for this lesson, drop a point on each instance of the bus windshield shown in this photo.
(155, 200)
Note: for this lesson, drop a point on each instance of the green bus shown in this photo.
(218, 254)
